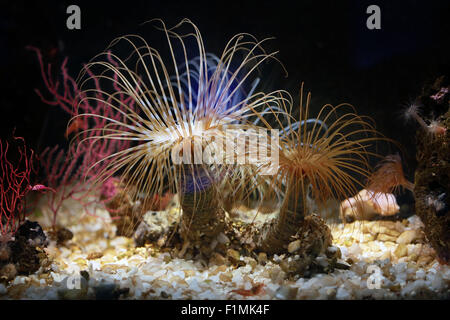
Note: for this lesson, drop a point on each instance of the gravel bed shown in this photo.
(385, 260)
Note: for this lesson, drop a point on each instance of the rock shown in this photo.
(385, 255)
(5, 252)
(154, 226)
(401, 251)
(262, 258)
(8, 272)
(333, 252)
(342, 294)
(217, 259)
(389, 232)
(27, 250)
(413, 257)
(233, 255)
(385, 237)
(94, 255)
(286, 293)
(367, 205)
(109, 291)
(424, 260)
(3, 289)
(61, 235)
(222, 238)
(355, 250)
(294, 246)
(226, 277)
(383, 227)
(367, 237)
(432, 175)
(409, 236)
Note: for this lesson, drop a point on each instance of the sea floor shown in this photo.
(385, 260)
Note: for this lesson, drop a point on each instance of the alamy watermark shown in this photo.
(375, 280)
(74, 20)
(255, 147)
(374, 20)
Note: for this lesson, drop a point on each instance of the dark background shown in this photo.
(324, 43)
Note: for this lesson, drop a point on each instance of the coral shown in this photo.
(66, 175)
(73, 173)
(15, 184)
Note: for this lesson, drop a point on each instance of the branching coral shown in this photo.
(19, 253)
(15, 184)
(72, 173)
(180, 122)
(64, 172)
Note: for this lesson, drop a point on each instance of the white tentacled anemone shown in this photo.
(188, 102)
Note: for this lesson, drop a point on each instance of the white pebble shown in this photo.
(342, 294)
(2, 289)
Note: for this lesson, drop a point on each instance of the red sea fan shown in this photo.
(15, 184)
(73, 173)
(69, 98)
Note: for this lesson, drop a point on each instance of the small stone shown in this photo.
(252, 262)
(8, 272)
(2, 289)
(94, 255)
(334, 252)
(385, 255)
(401, 251)
(5, 252)
(385, 237)
(424, 260)
(262, 257)
(413, 257)
(233, 255)
(294, 246)
(408, 236)
(16, 291)
(355, 250)
(367, 237)
(190, 273)
(222, 238)
(217, 259)
(286, 293)
(395, 287)
(81, 262)
(109, 291)
(342, 294)
(225, 277)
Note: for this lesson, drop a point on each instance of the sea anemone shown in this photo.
(320, 159)
(388, 176)
(185, 109)
(435, 127)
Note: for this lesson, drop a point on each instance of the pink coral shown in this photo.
(75, 174)
(15, 184)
